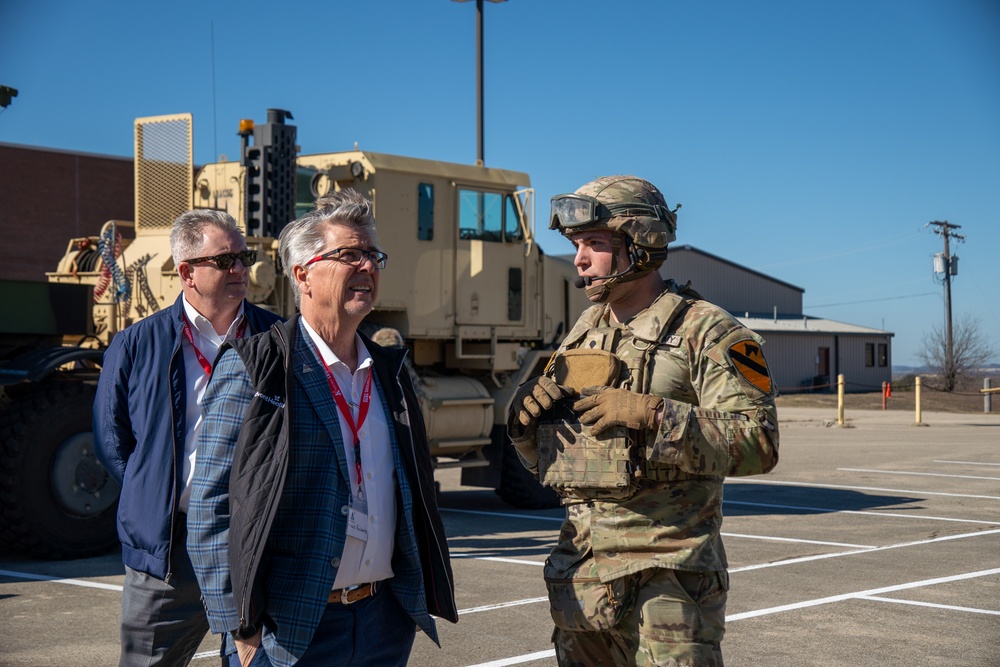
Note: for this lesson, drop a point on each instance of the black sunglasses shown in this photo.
(226, 260)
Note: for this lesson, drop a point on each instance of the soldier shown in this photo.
(653, 398)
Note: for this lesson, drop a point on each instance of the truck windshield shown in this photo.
(487, 216)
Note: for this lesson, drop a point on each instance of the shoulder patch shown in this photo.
(749, 362)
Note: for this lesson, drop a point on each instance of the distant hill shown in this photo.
(991, 370)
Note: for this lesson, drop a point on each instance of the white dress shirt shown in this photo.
(365, 561)
(195, 380)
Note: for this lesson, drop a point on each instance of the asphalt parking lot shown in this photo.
(871, 544)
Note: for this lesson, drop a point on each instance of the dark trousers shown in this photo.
(374, 632)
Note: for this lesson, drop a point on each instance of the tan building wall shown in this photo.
(811, 361)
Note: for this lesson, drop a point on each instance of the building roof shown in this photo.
(716, 258)
(807, 325)
(45, 149)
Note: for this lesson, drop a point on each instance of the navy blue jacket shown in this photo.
(139, 428)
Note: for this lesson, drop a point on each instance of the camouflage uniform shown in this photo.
(633, 565)
(639, 573)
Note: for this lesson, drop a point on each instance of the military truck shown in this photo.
(466, 289)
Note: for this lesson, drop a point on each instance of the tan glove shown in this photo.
(533, 398)
(603, 407)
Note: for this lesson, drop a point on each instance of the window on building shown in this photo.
(883, 354)
(869, 354)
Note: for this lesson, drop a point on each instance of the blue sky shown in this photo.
(811, 141)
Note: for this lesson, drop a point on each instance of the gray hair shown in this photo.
(303, 239)
(188, 233)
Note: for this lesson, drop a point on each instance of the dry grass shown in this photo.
(930, 400)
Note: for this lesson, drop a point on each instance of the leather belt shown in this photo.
(352, 594)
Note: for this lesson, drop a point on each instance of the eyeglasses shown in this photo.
(572, 211)
(353, 257)
(226, 260)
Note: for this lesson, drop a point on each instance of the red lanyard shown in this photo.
(345, 409)
(207, 367)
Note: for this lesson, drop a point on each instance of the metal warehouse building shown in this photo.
(804, 353)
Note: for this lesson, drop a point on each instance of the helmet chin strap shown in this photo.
(601, 293)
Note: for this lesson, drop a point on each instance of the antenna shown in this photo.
(215, 117)
(480, 142)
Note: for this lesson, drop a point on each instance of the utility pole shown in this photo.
(950, 268)
(479, 77)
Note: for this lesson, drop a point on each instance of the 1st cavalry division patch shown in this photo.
(749, 361)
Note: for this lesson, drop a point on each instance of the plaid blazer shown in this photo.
(301, 556)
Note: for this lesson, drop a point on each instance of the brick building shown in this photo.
(48, 196)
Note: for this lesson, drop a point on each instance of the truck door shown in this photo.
(490, 260)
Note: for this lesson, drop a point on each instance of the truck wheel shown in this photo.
(518, 487)
(57, 500)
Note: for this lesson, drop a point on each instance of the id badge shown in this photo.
(357, 520)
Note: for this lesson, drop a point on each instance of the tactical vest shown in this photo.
(610, 466)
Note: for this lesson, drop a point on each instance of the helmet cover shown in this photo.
(653, 225)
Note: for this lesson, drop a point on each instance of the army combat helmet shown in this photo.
(630, 207)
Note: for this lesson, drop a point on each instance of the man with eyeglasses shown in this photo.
(652, 399)
(315, 532)
(147, 416)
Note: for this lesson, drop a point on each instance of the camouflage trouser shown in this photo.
(678, 621)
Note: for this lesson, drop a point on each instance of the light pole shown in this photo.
(479, 76)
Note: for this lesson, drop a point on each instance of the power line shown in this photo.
(888, 242)
(888, 298)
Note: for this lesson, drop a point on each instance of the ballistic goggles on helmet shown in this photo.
(573, 211)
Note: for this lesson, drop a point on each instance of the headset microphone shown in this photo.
(587, 281)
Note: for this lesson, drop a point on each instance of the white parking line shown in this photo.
(765, 538)
(814, 485)
(498, 559)
(827, 510)
(504, 514)
(502, 605)
(30, 576)
(901, 545)
(918, 474)
(861, 594)
(519, 659)
(969, 463)
(798, 541)
(933, 605)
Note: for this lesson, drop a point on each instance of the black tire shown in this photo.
(518, 487)
(57, 500)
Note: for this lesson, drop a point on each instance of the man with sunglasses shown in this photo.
(653, 398)
(315, 532)
(147, 416)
